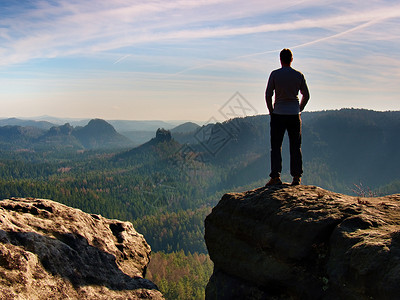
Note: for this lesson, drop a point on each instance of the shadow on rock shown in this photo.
(71, 257)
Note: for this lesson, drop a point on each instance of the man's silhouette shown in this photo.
(286, 83)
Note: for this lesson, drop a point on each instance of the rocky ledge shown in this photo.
(52, 251)
(303, 243)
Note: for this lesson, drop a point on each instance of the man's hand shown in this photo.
(269, 104)
(303, 102)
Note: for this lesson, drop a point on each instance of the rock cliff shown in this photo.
(303, 243)
(49, 250)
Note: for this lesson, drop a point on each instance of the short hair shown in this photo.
(286, 56)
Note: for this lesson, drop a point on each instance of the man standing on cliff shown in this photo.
(285, 115)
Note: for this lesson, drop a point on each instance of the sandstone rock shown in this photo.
(303, 242)
(49, 250)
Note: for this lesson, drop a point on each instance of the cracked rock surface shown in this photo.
(303, 242)
(49, 250)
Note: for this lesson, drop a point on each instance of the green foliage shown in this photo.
(180, 276)
(175, 231)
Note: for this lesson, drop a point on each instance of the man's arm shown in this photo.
(268, 99)
(305, 95)
(269, 92)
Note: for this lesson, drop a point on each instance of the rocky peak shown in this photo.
(65, 129)
(98, 126)
(163, 135)
(99, 134)
(49, 250)
(303, 243)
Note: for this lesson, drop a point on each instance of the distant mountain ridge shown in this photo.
(138, 131)
(97, 134)
(46, 122)
(185, 128)
(183, 133)
(26, 123)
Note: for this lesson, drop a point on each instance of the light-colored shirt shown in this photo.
(287, 82)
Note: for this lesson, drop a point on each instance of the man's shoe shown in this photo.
(296, 180)
(274, 181)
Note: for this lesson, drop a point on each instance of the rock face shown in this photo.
(163, 135)
(303, 243)
(49, 250)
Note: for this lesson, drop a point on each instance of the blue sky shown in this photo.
(185, 60)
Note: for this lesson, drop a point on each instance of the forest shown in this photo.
(168, 185)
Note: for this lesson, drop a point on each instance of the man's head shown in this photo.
(286, 57)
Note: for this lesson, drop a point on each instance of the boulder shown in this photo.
(303, 242)
(49, 250)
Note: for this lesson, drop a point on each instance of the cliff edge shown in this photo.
(52, 251)
(303, 242)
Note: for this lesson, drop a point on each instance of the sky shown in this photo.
(196, 60)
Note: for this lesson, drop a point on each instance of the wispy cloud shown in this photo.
(51, 29)
(121, 59)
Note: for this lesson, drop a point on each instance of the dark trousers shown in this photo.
(279, 124)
